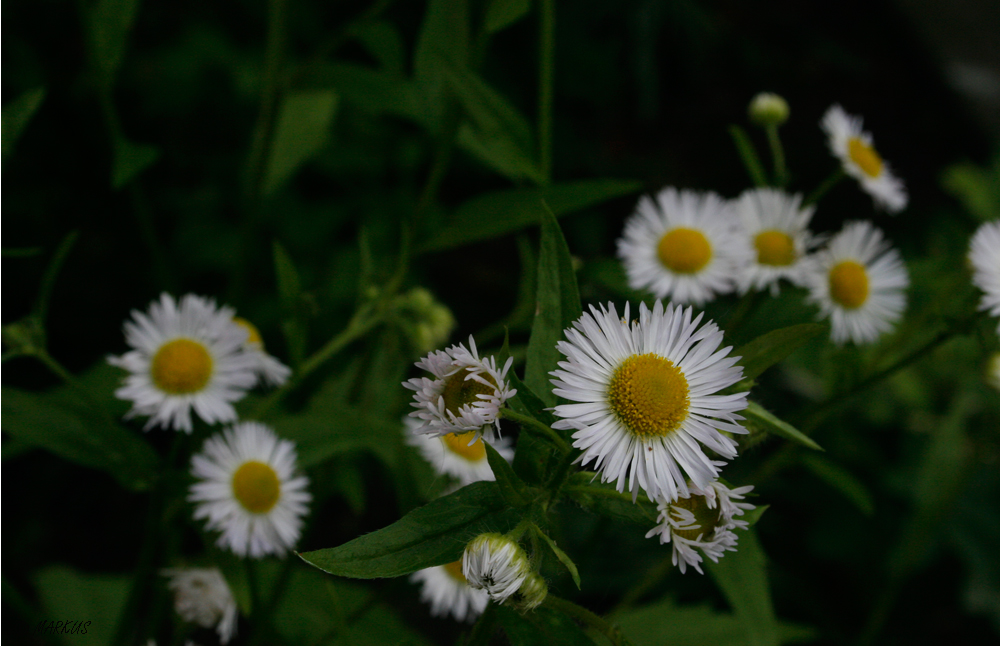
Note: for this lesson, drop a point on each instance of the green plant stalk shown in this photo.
(751, 161)
(532, 423)
(51, 273)
(588, 619)
(821, 190)
(777, 156)
(546, 72)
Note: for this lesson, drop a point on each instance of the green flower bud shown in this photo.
(768, 109)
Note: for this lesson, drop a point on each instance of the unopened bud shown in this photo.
(768, 109)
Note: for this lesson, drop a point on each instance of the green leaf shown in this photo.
(110, 22)
(742, 577)
(293, 324)
(754, 514)
(501, 14)
(842, 480)
(540, 627)
(130, 159)
(370, 90)
(338, 429)
(16, 116)
(492, 215)
(444, 40)
(603, 499)
(557, 307)
(382, 40)
(512, 488)
(760, 419)
(978, 188)
(498, 151)
(94, 600)
(434, 534)
(302, 129)
(768, 349)
(561, 555)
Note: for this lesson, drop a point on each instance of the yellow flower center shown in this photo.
(684, 251)
(454, 570)
(459, 391)
(649, 394)
(705, 518)
(775, 248)
(256, 487)
(253, 334)
(181, 366)
(849, 284)
(458, 443)
(865, 157)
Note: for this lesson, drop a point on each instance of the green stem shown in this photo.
(748, 155)
(777, 155)
(51, 272)
(588, 619)
(526, 421)
(823, 188)
(546, 64)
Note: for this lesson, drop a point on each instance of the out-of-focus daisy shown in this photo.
(644, 397)
(859, 281)
(202, 597)
(448, 592)
(249, 490)
(702, 521)
(498, 565)
(184, 355)
(856, 151)
(269, 370)
(984, 256)
(683, 246)
(466, 393)
(777, 226)
(459, 455)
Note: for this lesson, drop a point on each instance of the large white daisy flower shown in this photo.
(269, 370)
(856, 151)
(684, 246)
(448, 592)
(984, 256)
(702, 521)
(459, 455)
(777, 226)
(202, 597)
(466, 393)
(859, 281)
(249, 490)
(184, 356)
(645, 397)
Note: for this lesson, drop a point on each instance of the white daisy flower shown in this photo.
(645, 402)
(466, 393)
(448, 592)
(984, 256)
(703, 520)
(777, 226)
(202, 597)
(859, 281)
(459, 455)
(856, 151)
(498, 565)
(249, 490)
(269, 370)
(684, 246)
(184, 356)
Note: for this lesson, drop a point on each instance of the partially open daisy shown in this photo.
(645, 401)
(777, 226)
(202, 597)
(459, 455)
(856, 151)
(702, 521)
(859, 281)
(466, 393)
(498, 565)
(269, 370)
(184, 356)
(247, 488)
(984, 256)
(449, 593)
(683, 246)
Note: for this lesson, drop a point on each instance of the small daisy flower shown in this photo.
(202, 597)
(498, 565)
(249, 490)
(684, 246)
(859, 281)
(448, 592)
(984, 256)
(856, 152)
(466, 393)
(459, 455)
(644, 397)
(703, 520)
(269, 370)
(184, 356)
(777, 226)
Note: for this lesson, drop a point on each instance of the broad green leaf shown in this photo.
(130, 159)
(768, 349)
(444, 40)
(558, 305)
(603, 499)
(978, 188)
(513, 490)
(760, 419)
(534, 459)
(501, 14)
(434, 534)
(541, 627)
(302, 129)
(742, 577)
(69, 595)
(109, 24)
(338, 429)
(495, 214)
(16, 116)
(842, 480)
(561, 555)
(498, 151)
(293, 324)
(370, 90)
(754, 515)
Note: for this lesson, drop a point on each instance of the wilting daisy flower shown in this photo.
(248, 489)
(498, 565)
(684, 246)
(269, 370)
(859, 281)
(466, 393)
(777, 226)
(459, 455)
(448, 592)
(984, 256)
(702, 521)
(856, 151)
(202, 597)
(184, 356)
(645, 401)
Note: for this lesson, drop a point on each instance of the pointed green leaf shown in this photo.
(293, 324)
(301, 131)
(842, 480)
(16, 116)
(742, 577)
(561, 555)
(130, 159)
(501, 14)
(94, 601)
(512, 488)
(542, 626)
(110, 22)
(768, 349)
(760, 419)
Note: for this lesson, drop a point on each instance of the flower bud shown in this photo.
(768, 109)
(497, 564)
(531, 594)
(427, 323)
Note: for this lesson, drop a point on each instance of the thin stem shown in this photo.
(748, 155)
(823, 188)
(526, 421)
(777, 155)
(51, 273)
(546, 65)
(588, 619)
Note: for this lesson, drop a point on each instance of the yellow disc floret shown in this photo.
(849, 284)
(253, 334)
(458, 443)
(181, 366)
(775, 248)
(684, 251)
(454, 570)
(706, 519)
(864, 156)
(459, 391)
(256, 487)
(649, 394)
